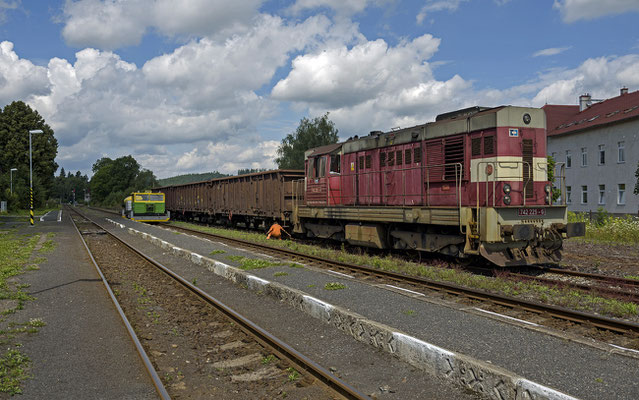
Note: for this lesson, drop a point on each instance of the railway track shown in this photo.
(262, 345)
(415, 283)
(605, 285)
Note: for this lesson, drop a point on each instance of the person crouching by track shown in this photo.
(276, 231)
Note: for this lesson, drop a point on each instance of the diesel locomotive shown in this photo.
(472, 183)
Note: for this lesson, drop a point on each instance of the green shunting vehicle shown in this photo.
(145, 207)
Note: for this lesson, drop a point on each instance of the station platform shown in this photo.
(572, 368)
(83, 350)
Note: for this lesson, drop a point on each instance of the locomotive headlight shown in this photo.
(547, 188)
(507, 200)
(507, 189)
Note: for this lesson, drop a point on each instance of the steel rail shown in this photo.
(157, 382)
(261, 335)
(598, 321)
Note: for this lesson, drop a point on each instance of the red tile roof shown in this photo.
(565, 119)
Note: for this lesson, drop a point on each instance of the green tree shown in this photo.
(67, 183)
(556, 192)
(317, 132)
(16, 120)
(113, 180)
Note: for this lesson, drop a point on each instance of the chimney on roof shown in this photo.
(624, 90)
(584, 101)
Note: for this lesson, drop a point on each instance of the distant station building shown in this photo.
(597, 141)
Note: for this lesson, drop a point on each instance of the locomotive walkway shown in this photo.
(83, 351)
(574, 368)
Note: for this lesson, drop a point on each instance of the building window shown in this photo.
(602, 194)
(621, 194)
(568, 159)
(584, 157)
(554, 156)
(584, 195)
(621, 153)
(602, 154)
(568, 195)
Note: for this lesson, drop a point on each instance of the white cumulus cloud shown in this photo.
(110, 24)
(575, 10)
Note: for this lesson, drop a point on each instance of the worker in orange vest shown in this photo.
(276, 231)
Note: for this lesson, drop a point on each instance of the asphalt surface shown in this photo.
(573, 368)
(83, 351)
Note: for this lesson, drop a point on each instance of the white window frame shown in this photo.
(584, 156)
(621, 194)
(584, 194)
(568, 194)
(621, 152)
(602, 154)
(602, 195)
(568, 159)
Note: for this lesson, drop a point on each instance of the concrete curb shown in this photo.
(487, 380)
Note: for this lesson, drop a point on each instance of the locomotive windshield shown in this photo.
(149, 197)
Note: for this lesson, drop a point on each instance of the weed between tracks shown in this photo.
(247, 264)
(556, 295)
(17, 256)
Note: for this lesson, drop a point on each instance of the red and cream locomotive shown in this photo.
(472, 183)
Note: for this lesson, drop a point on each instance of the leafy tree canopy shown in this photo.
(16, 120)
(317, 132)
(113, 180)
(66, 184)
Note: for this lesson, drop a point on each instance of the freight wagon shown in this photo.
(251, 199)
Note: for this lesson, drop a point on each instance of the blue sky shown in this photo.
(216, 85)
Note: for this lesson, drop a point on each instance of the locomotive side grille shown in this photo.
(527, 148)
(369, 161)
(418, 155)
(475, 145)
(453, 153)
(361, 162)
(382, 159)
(398, 157)
(489, 145)
(407, 154)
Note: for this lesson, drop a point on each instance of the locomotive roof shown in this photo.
(462, 121)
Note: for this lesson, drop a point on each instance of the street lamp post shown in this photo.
(11, 177)
(31, 175)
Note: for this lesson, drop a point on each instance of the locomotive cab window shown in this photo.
(335, 164)
(322, 167)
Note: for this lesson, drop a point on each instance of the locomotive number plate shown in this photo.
(531, 212)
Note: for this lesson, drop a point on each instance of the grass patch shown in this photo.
(635, 277)
(13, 371)
(280, 274)
(605, 228)
(293, 375)
(246, 263)
(334, 286)
(408, 312)
(214, 252)
(268, 359)
(295, 265)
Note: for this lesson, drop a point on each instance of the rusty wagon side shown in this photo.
(250, 199)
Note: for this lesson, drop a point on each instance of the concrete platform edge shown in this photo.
(487, 380)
